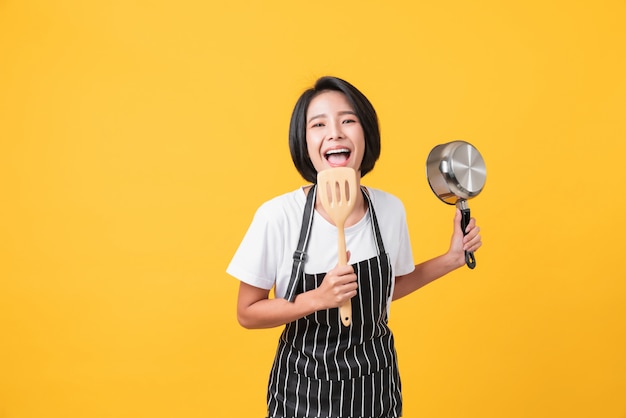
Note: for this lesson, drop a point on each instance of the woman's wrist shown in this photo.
(453, 260)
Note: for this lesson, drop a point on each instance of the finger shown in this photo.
(471, 239)
(343, 270)
(350, 295)
(349, 290)
(346, 279)
(473, 244)
(471, 233)
(457, 220)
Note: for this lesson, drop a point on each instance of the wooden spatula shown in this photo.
(338, 193)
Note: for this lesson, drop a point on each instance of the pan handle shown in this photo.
(470, 260)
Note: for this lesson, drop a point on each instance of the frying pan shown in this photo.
(456, 172)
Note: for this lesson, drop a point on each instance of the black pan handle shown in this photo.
(470, 260)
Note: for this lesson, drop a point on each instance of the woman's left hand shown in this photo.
(460, 242)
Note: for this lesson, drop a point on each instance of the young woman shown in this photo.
(323, 368)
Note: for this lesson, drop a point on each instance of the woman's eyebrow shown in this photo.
(340, 113)
(321, 115)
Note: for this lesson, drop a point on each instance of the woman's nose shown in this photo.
(335, 131)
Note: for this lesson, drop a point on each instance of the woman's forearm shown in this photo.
(424, 274)
(255, 313)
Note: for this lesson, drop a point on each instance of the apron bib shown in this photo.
(324, 369)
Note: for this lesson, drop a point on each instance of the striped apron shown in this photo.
(324, 369)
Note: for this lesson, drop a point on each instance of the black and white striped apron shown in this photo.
(324, 369)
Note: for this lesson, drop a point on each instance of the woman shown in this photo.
(322, 368)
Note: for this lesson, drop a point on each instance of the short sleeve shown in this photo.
(256, 260)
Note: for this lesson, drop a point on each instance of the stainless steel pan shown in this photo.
(456, 172)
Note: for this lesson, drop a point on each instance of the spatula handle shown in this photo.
(345, 310)
(342, 256)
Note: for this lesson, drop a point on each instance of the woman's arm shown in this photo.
(434, 268)
(256, 310)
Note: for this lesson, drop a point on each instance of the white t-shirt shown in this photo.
(265, 256)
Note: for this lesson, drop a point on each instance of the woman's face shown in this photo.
(334, 135)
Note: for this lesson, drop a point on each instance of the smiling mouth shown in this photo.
(337, 156)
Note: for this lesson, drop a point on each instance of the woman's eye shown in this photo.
(349, 121)
(317, 125)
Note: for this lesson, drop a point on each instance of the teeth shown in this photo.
(337, 151)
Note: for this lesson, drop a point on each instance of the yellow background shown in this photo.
(139, 137)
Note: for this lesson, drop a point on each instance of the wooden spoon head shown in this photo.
(338, 192)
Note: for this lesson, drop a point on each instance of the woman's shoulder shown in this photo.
(279, 206)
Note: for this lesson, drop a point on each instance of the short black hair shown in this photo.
(364, 111)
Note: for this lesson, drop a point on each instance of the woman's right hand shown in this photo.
(339, 285)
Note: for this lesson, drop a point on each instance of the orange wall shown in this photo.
(138, 138)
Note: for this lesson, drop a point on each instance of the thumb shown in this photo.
(457, 222)
(348, 256)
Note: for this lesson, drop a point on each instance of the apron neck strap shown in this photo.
(380, 247)
(299, 256)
